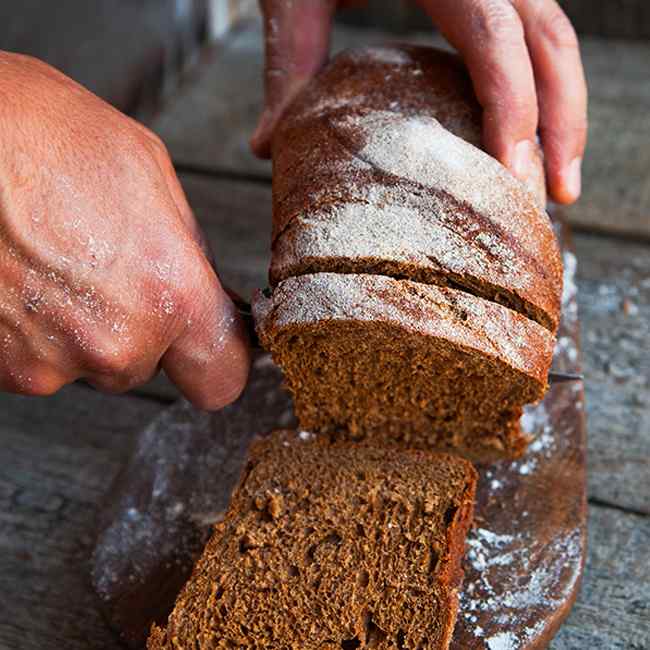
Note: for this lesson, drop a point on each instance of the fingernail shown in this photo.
(572, 178)
(522, 157)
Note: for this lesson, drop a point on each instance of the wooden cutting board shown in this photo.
(527, 549)
(525, 553)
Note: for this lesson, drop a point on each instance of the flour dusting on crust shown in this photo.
(463, 319)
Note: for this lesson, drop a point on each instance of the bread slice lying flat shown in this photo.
(330, 546)
(372, 358)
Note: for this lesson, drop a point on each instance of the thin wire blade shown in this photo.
(561, 377)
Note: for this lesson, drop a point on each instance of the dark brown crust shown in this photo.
(312, 151)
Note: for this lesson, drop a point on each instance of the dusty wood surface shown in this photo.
(210, 121)
(58, 455)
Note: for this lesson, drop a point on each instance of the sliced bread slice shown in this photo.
(330, 546)
(371, 357)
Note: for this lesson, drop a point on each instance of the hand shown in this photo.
(522, 55)
(103, 274)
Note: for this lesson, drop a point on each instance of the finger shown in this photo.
(121, 382)
(296, 47)
(562, 94)
(209, 361)
(490, 37)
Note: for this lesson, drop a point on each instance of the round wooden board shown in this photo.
(525, 553)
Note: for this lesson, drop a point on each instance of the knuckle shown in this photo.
(155, 142)
(112, 362)
(115, 384)
(558, 30)
(33, 382)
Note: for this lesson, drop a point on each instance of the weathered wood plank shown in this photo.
(57, 459)
(209, 123)
(236, 217)
(614, 307)
(616, 195)
(613, 609)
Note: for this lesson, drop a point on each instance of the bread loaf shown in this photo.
(330, 546)
(377, 168)
(379, 178)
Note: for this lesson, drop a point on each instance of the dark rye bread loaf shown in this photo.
(384, 360)
(329, 547)
(377, 168)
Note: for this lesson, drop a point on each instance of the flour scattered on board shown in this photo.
(503, 641)
(513, 578)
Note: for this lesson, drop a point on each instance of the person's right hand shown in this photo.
(522, 55)
(103, 273)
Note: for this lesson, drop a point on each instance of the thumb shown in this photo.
(296, 46)
(209, 361)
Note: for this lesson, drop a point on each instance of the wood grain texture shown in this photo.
(613, 609)
(57, 459)
(208, 124)
(614, 306)
(616, 183)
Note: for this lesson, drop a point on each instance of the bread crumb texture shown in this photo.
(330, 546)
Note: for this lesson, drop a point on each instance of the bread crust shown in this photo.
(385, 145)
(371, 358)
(478, 325)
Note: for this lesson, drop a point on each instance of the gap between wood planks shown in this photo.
(602, 503)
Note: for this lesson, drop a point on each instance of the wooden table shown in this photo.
(58, 455)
